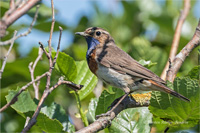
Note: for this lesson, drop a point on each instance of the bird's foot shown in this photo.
(107, 114)
(114, 103)
(113, 106)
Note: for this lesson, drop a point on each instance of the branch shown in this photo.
(14, 13)
(32, 69)
(58, 48)
(105, 121)
(52, 27)
(14, 99)
(44, 96)
(25, 33)
(6, 56)
(46, 53)
(51, 65)
(47, 90)
(180, 57)
(177, 35)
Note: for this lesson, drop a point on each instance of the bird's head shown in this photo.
(95, 36)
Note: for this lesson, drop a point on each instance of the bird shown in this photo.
(115, 67)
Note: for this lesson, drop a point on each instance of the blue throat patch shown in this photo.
(92, 43)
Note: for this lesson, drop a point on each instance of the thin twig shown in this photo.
(105, 121)
(25, 33)
(13, 14)
(46, 53)
(52, 27)
(58, 48)
(49, 45)
(6, 56)
(12, 4)
(47, 90)
(181, 56)
(36, 87)
(177, 35)
(32, 69)
(14, 99)
(44, 96)
(27, 120)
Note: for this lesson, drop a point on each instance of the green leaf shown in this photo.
(55, 111)
(132, 120)
(50, 119)
(48, 125)
(4, 7)
(194, 73)
(85, 77)
(106, 99)
(66, 65)
(147, 64)
(171, 109)
(160, 124)
(92, 108)
(24, 102)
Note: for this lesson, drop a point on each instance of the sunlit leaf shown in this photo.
(92, 108)
(160, 124)
(24, 101)
(132, 121)
(85, 77)
(66, 65)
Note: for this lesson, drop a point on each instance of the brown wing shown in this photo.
(111, 56)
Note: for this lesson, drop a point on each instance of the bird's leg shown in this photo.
(114, 103)
(119, 100)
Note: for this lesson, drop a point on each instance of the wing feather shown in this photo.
(111, 56)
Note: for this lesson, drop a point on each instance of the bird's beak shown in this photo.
(81, 34)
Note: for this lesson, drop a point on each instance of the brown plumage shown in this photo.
(117, 68)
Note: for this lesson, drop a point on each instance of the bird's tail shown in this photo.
(170, 91)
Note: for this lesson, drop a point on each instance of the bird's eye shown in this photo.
(98, 33)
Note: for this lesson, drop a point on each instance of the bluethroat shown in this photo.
(115, 67)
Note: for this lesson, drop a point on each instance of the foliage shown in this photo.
(50, 119)
(63, 67)
(106, 99)
(175, 113)
(86, 78)
(132, 120)
(143, 33)
(194, 73)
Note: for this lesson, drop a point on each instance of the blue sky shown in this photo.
(69, 13)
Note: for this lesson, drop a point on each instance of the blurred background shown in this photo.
(142, 28)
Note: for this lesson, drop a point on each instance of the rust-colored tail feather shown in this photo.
(174, 93)
(170, 91)
(179, 96)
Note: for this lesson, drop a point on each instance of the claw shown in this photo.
(113, 103)
(103, 115)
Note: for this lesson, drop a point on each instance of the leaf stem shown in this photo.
(83, 115)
